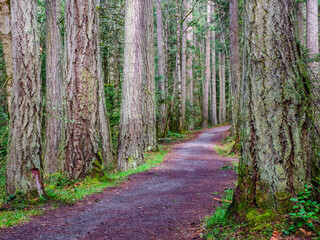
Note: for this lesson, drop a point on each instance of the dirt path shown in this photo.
(167, 202)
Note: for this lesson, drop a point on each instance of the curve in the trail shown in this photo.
(167, 202)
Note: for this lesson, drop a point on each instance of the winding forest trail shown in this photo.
(167, 202)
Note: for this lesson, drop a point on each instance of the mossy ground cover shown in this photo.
(18, 208)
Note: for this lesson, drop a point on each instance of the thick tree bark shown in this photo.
(149, 110)
(274, 165)
(299, 7)
(184, 67)
(54, 89)
(24, 167)
(87, 125)
(131, 145)
(161, 68)
(6, 40)
(189, 64)
(235, 68)
(208, 70)
(214, 88)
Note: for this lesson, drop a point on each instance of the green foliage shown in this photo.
(307, 208)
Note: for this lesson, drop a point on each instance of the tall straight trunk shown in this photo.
(131, 143)
(208, 70)
(161, 68)
(235, 68)
(24, 167)
(299, 7)
(54, 88)
(214, 88)
(184, 66)
(223, 84)
(220, 86)
(149, 109)
(189, 78)
(274, 165)
(87, 130)
(178, 66)
(6, 41)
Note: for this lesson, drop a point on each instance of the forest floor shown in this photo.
(167, 202)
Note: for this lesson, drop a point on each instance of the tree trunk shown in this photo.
(24, 167)
(54, 89)
(161, 65)
(274, 165)
(214, 89)
(189, 64)
(299, 7)
(87, 125)
(131, 143)
(235, 68)
(184, 67)
(208, 70)
(149, 110)
(178, 66)
(6, 40)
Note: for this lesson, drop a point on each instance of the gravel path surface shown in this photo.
(167, 202)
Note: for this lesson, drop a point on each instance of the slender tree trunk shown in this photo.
(149, 111)
(178, 65)
(220, 86)
(161, 65)
(131, 143)
(274, 165)
(189, 64)
(54, 88)
(208, 70)
(299, 6)
(24, 167)
(184, 67)
(235, 68)
(214, 89)
(6, 40)
(87, 124)
(223, 87)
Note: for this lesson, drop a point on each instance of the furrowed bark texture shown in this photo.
(235, 67)
(6, 40)
(24, 167)
(149, 110)
(184, 67)
(214, 88)
(130, 148)
(54, 89)
(208, 71)
(274, 139)
(161, 65)
(299, 7)
(86, 117)
(189, 64)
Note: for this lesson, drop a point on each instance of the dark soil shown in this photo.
(167, 202)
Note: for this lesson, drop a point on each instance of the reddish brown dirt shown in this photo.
(167, 202)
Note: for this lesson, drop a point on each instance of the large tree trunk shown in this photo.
(214, 89)
(24, 167)
(6, 40)
(208, 70)
(178, 67)
(235, 68)
(149, 109)
(274, 165)
(87, 125)
(189, 65)
(131, 143)
(184, 67)
(299, 7)
(161, 65)
(54, 89)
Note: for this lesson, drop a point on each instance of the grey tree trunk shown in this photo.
(149, 109)
(131, 143)
(87, 125)
(274, 165)
(6, 40)
(299, 7)
(235, 68)
(214, 88)
(184, 66)
(54, 89)
(24, 167)
(161, 65)
(189, 64)
(178, 66)
(208, 70)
